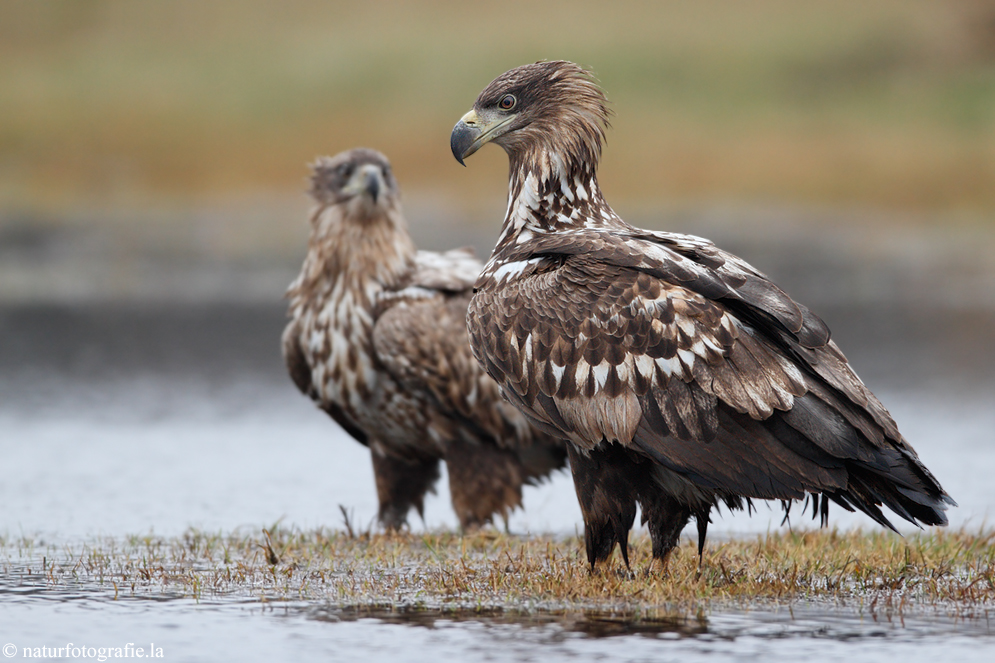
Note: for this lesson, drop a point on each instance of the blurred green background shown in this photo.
(185, 127)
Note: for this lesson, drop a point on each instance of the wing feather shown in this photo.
(693, 358)
(423, 344)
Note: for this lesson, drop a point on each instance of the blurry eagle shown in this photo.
(681, 375)
(377, 338)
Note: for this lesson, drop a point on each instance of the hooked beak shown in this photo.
(366, 180)
(372, 184)
(471, 133)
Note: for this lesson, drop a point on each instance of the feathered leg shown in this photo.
(401, 484)
(607, 500)
(666, 518)
(483, 480)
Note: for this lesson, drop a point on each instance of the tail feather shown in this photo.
(886, 474)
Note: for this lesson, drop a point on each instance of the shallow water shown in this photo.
(188, 631)
(273, 457)
(121, 420)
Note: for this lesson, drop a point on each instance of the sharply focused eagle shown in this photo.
(681, 375)
(377, 338)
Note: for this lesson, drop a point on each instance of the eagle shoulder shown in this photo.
(451, 271)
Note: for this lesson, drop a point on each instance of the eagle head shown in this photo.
(360, 179)
(552, 106)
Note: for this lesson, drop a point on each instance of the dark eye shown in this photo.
(345, 170)
(507, 102)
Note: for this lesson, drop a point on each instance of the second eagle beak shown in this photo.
(372, 184)
(366, 180)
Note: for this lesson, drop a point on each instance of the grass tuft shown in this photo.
(952, 572)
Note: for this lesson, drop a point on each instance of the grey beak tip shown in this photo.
(461, 140)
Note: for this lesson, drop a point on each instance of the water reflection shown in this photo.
(592, 623)
(800, 620)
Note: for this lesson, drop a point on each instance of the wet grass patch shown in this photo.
(349, 574)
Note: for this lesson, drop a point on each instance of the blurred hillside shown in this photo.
(185, 127)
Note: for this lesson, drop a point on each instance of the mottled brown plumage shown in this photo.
(377, 338)
(682, 376)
